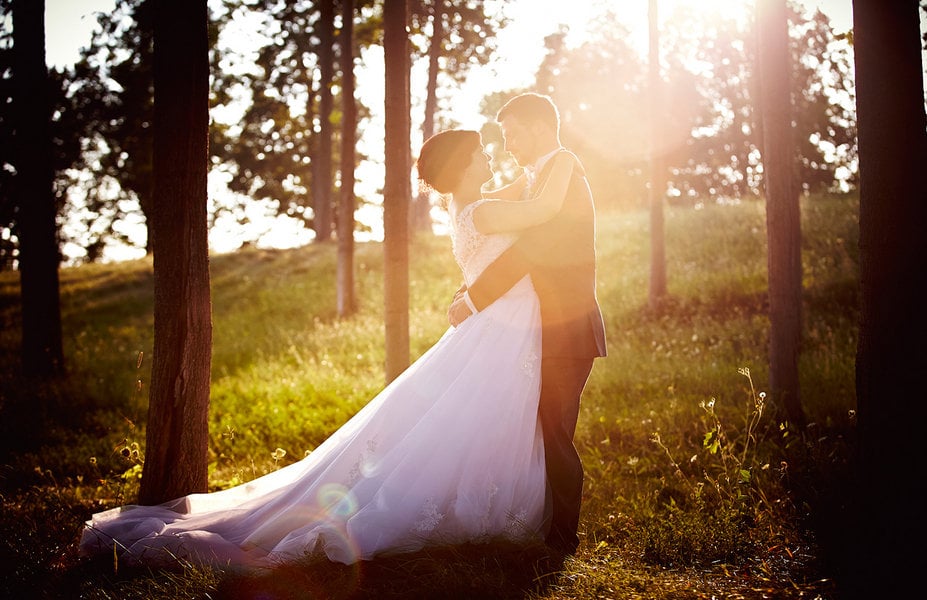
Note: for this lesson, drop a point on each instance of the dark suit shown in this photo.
(560, 257)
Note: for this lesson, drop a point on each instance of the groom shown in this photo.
(560, 257)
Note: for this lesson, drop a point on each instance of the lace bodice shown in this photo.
(474, 251)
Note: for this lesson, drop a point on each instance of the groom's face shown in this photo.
(521, 141)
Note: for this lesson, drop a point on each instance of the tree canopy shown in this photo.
(274, 129)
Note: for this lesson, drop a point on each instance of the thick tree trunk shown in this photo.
(42, 354)
(783, 217)
(891, 358)
(347, 303)
(657, 174)
(177, 436)
(397, 187)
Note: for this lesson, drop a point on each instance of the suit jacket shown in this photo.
(560, 257)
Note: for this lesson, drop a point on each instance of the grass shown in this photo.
(694, 489)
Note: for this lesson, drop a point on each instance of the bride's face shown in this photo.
(479, 169)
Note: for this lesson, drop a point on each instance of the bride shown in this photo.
(449, 452)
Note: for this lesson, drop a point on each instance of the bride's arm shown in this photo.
(512, 191)
(500, 216)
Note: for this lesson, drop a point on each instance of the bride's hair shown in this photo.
(444, 156)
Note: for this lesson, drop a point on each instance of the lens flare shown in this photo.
(337, 500)
(369, 467)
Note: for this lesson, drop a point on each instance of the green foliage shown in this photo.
(692, 482)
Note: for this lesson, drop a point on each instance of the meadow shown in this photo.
(696, 487)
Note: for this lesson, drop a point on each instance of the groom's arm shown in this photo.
(493, 282)
(499, 276)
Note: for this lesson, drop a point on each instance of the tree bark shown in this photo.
(657, 174)
(42, 354)
(783, 217)
(397, 187)
(177, 435)
(347, 302)
(891, 357)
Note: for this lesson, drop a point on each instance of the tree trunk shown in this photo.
(347, 303)
(783, 217)
(177, 436)
(397, 187)
(891, 357)
(315, 178)
(42, 354)
(657, 174)
(421, 207)
(322, 203)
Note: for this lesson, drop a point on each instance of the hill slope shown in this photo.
(685, 468)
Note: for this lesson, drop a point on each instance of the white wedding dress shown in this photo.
(449, 452)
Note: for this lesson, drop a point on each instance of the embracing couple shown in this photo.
(474, 441)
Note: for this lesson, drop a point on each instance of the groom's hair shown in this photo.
(531, 108)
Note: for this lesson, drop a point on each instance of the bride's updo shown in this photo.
(445, 156)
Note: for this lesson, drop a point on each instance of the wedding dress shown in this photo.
(450, 452)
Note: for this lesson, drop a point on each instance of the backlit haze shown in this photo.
(520, 49)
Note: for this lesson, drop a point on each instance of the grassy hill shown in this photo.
(694, 484)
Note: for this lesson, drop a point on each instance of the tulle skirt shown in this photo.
(449, 452)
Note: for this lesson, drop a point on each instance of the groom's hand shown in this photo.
(458, 311)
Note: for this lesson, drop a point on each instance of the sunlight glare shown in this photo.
(719, 7)
(714, 10)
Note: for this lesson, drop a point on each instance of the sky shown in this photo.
(69, 23)
(520, 46)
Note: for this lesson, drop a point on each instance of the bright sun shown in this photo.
(714, 8)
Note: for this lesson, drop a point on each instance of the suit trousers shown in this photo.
(562, 382)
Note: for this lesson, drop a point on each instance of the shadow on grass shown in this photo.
(469, 571)
(491, 571)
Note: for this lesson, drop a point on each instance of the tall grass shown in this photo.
(687, 467)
